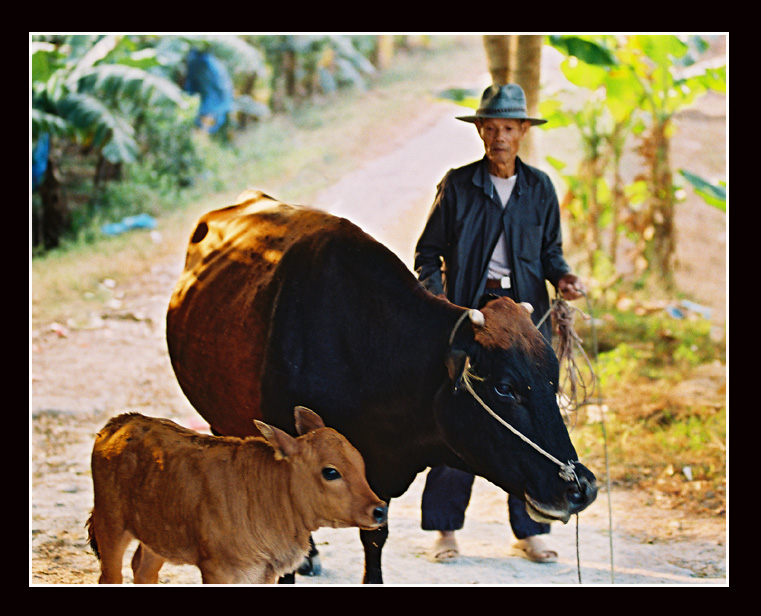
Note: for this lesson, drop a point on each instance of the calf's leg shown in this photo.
(146, 565)
(111, 553)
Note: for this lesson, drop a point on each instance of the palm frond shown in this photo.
(110, 130)
(54, 125)
(237, 52)
(118, 80)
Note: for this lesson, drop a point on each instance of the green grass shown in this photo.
(659, 377)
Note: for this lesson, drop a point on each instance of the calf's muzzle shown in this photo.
(380, 514)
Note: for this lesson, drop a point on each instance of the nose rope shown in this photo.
(567, 470)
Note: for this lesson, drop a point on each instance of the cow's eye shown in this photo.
(330, 474)
(504, 390)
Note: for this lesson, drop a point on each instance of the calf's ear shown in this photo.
(282, 442)
(306, 420)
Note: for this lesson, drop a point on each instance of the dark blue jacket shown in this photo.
(453, 252)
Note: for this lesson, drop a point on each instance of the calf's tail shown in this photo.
(91, 536)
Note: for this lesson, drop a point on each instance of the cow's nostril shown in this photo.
(575, 495)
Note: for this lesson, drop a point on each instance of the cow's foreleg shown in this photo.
(311, 565)
(373, 542)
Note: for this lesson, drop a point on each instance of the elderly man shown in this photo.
(493, 230)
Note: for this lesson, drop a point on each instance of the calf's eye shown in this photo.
(330, 474)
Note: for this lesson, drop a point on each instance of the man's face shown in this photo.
(501, 138)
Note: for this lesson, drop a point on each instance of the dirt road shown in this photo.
(114, 359)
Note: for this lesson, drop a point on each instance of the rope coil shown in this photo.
(577, 385)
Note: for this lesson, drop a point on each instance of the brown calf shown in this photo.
(240, 509)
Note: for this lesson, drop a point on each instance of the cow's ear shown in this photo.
(456, 361)
(282, 442)
(307, 420)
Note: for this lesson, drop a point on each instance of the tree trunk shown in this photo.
(106, 171)
(528, 63)
(384, 51)
(662, 245)
(618, 203)
(288, 67)
(54, 218)
(517, 59)
(249, 82)
(499, 56)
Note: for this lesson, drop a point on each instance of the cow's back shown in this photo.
(218, 317)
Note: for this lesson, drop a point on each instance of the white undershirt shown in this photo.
(499, 265)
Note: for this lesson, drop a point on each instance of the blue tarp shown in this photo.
(40, 160)
(140, 221)
(208, 77)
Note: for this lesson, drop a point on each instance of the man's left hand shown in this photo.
(571, 287)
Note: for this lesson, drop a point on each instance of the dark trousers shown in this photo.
(446, 496)
(447, 491)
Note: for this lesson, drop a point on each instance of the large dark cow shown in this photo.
(280, 306)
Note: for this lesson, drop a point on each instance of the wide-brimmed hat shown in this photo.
(508, 101)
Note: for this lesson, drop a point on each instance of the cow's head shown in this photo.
(499, 362)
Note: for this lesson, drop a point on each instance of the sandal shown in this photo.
(444, 550)
(535, 552)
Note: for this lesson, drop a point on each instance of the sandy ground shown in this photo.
(114, 359)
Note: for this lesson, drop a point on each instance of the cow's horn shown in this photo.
(477, 317)
(528, 307)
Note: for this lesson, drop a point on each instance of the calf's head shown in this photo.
(328, 481)
(499, 360)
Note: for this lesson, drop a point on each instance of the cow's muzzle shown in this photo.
(577, 497)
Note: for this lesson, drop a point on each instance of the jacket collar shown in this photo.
(482, 179)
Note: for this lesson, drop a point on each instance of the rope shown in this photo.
(567, 470)
(574, 390)
(568, 340)
(578, 554)
(605, 450)
(568, 398)
(463, 316)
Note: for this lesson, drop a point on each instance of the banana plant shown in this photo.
(88, 90)
(78, 93)
(645, 80)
